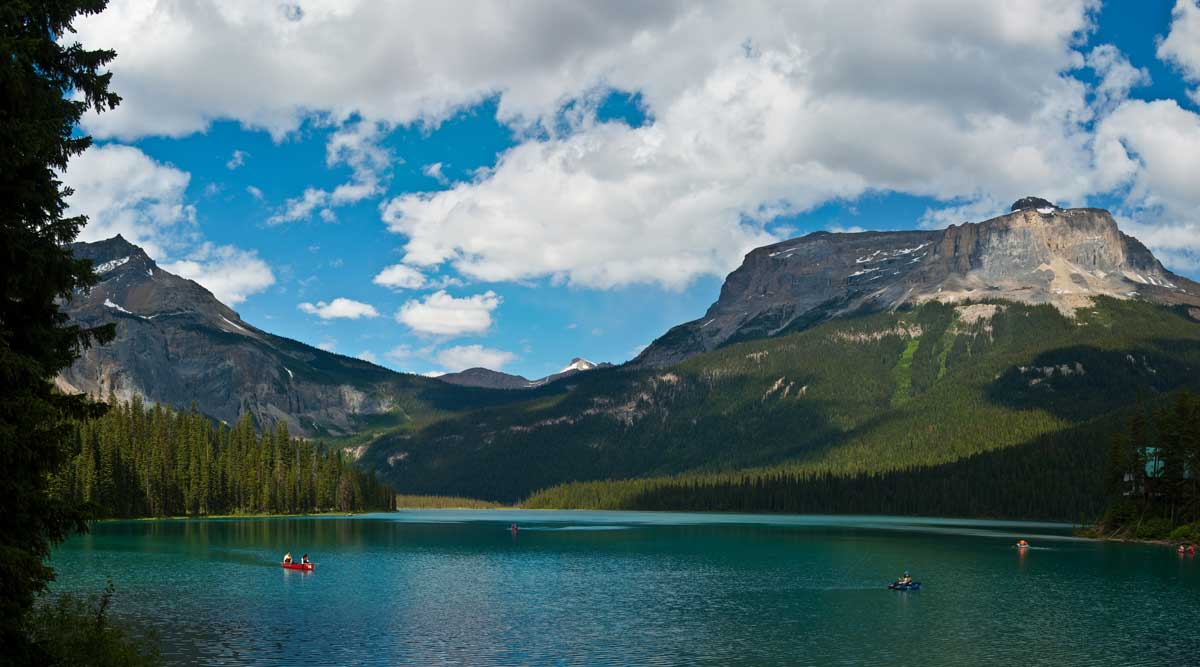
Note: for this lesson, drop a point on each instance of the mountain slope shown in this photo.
(177, 345)
(974, 339)
(921, 386)
(1037, 254)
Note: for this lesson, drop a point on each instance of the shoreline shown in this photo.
(254, 515)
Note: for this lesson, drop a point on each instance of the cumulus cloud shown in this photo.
(356, 146)
(399, 277)
(237, 159)
(434, 171)
(329, 345)
(1153, 150)
(806, 105)
(755, 110)
(440, 314)
(271, 69)
(1182, 44)
(230, 273)
(1117, 75)
(462, 357)
(339, 308)
(367, 355)
(124, 191)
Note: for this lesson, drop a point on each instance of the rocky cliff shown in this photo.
(178, 345)
(1036, 254)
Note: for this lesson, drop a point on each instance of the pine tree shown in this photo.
(45, 87)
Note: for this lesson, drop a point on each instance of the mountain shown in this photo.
(1036, 254)
(1046, 321)
(178, 345)
(484, 377)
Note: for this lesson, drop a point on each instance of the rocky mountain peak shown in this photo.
(178, 345)
(1037, 254)
(578, 364)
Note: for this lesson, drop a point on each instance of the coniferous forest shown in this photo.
(1153, 473)
(136, 461)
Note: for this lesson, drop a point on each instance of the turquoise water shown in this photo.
(628, 588)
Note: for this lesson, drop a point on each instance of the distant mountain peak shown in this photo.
(577, 364)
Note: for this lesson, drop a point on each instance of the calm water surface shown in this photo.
(627, 588)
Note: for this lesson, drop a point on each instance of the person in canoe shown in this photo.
(287, 558)
(1022, 544)
(304, 559)
(904, 579)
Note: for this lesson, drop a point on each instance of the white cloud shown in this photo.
(328, 345)
(254, 192)
(440, 314)
(367, 355)
(434, 171)
(339, 308)
(399, 354)
(124, 191)
(230, 273)
(237, 159)
(1152, 149)
(803, 106)
(1182, 44)
(300, 208)
(1117, 75)
(462, 357)
(399, 276)
(356, 146)
(757, 109)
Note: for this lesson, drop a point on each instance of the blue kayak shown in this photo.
(914, 586)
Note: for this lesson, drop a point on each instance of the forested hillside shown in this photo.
(135, 461)
(927, 388)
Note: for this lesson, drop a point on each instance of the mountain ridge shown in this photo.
(178, 345)
(1037, 253)
(488, 378)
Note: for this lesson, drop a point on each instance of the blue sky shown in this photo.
(540, 188)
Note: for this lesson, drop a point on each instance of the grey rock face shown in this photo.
(177, 345)
(1037, 254)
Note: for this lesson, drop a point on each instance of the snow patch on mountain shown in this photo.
(112, 264)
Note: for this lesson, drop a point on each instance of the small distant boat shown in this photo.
(1022, 544)
(897, 586)
(307, 567)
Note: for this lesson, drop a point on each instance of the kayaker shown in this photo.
(287, 558)
(1022, 544)
(904, 579)
(304, 559)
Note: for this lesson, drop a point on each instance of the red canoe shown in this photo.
(298, 566)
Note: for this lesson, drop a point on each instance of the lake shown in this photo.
(632, 588)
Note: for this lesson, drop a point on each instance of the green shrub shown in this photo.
(72, 631)
(1156, 528)
(1189, 533)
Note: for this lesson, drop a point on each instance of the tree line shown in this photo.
(135, 461)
